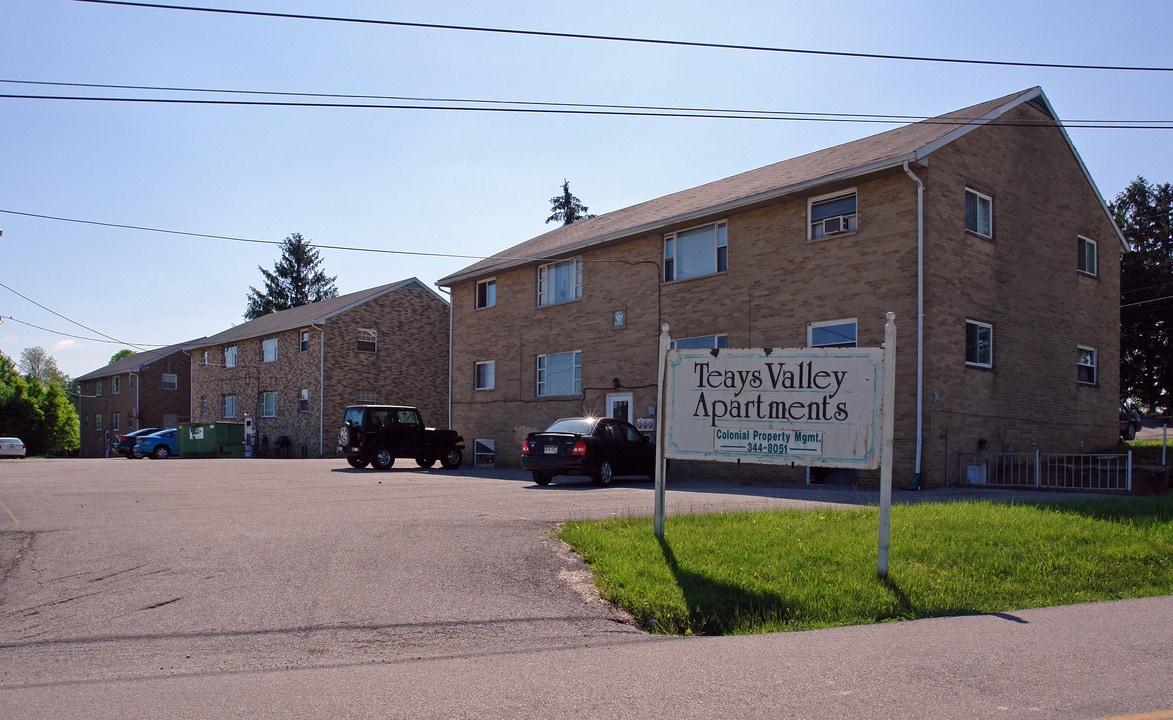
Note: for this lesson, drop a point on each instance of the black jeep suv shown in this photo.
(377, 434)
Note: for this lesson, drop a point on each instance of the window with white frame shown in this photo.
(170, 381)
(704, 342)
(979, 344)
(485, 375)
(560, 282)
(303, 400)
(560, 374)
(97, 421)
(1087, 256)
(1086, 365)
(696, 252)
(368, 341)
(979, 213)
(97, 387)
(115, 421)
(269, 350)
(832, 334)
(229, 406)
(486, 293)
(367, 397)
(832, 215)
(115, 385)
(204, 362)
(269, 404)
(304, 343)
(230, 356)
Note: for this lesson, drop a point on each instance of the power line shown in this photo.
(144, 228)
(69, 320)
(601, 111)
(470, 103)
(628, 39)
(78, 337)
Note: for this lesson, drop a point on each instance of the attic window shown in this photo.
(368, 341)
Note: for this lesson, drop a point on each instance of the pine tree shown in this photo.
(567, 208)
(1144, 213)
(295, 280)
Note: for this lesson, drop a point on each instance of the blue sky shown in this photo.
(464, 183)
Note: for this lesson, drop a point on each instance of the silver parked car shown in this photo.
(11, 447)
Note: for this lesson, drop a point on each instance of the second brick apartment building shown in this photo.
(981, 229)
(294, 372)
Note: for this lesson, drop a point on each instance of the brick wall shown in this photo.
(777, 283)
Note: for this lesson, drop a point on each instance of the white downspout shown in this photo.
(451, 298)
(920, 320)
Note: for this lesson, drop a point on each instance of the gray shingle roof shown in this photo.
(304, 315)
(888, 149)
(132, 363)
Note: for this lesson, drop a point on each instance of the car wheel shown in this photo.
(425, 462)
(1130, 432)
(136, 455)
(452, 458)
(383, 459)
(603, 475)
(356, 462)
(162, 452)
(542, 478)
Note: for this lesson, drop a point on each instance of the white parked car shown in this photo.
(11, 447)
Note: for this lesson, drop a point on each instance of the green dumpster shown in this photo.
(211, 440)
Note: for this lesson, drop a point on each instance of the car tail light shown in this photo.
(525, 447)
(579, 448)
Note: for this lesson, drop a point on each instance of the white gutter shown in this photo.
(920, 319)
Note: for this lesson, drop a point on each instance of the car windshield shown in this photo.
(578, 426)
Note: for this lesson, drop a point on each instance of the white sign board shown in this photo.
(816, 407)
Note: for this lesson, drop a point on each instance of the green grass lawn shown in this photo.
(1148, 450)
(752, 572)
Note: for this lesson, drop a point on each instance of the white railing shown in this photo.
(1048, 470)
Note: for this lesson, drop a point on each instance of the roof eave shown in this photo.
(693, 215)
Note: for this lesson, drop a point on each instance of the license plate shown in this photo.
(550, 450)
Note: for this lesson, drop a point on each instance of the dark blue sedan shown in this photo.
(160, 445)
(599, 448)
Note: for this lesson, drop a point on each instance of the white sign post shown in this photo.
(889, 411)
(804, 406)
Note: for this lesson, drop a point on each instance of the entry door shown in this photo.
(619, 406)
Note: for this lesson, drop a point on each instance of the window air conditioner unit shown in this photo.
(833, 225)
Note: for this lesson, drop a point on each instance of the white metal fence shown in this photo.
(1048, 470)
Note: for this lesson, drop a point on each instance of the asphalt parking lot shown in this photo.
(288, 589)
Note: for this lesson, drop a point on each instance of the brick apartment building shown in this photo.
(983, 222)
(294, 372)
(148, 389)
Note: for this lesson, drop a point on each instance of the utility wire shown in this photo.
(1090, 125)
(70, 320)
(626, 39)
(468, 103)
(78, 337)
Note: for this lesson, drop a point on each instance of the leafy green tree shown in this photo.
(123, 353)
(1144, 213)
(295, 280)
(566, 208)
(19, 414)
(39, 413)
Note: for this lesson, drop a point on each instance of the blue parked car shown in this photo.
(160, 445)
